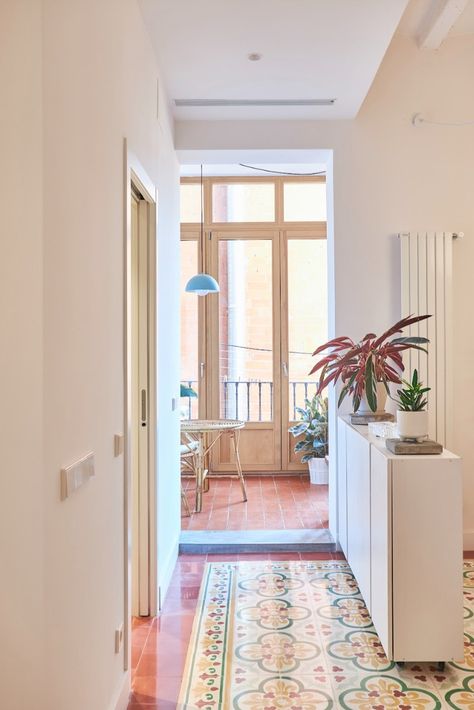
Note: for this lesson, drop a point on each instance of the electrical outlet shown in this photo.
(118, 638)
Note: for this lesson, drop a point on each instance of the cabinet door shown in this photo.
(342, 485)
(381, 547)
(427, 559)
(358, 509)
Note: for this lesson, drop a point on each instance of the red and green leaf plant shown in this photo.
(358, 366)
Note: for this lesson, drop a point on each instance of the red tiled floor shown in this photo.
(274, 502)
(160, 644)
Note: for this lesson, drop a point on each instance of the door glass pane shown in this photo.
(307, 315)
(304, 201)
(245, 330)
(190, 202)
(243, 202)
(189, 330)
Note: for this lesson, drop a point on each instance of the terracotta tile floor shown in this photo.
(274, 503)
(159, 645)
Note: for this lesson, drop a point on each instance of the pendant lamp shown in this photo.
(202, 284)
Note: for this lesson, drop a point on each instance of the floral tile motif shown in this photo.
(468, 663)
(339, 583)
(274, 614)
(462, 698)
(363, 649)
(346, 611)
(277, 652)
(380, 692)
(271, 584)
(285, 693)
(297, 636)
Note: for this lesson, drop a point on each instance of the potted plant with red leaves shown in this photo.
(366, 368)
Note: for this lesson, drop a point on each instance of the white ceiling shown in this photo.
(311, 49)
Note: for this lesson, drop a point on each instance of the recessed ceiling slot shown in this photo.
(254, 102)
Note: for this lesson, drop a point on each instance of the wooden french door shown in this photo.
(273, 293)
(247, 350)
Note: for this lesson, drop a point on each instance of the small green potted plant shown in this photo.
(412, 416)
(313, 428)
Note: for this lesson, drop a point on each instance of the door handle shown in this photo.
(285, 368)
(144, 408)
(202, 366)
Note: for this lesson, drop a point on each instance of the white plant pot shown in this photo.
(318, 470)
(412, 425)
(381, 401)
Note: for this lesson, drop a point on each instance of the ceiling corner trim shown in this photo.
(439, 22)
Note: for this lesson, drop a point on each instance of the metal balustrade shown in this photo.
(252, 400)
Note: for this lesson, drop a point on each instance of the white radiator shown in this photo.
(426, 271)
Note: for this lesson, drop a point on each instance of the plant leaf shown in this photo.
(370, 389)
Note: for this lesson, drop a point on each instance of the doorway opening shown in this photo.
(247, 351)
(140, 400)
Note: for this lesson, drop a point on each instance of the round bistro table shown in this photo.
(207, 432)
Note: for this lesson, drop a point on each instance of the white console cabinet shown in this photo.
(400, 527)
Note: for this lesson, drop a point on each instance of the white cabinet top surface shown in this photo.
(379, 443)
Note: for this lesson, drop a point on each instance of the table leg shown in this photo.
(199, 475)
(235, 436)
(205, 486)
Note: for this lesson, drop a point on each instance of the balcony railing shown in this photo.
(252, 400)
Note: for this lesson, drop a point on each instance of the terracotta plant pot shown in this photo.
(412, 426)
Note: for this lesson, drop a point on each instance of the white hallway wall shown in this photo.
(391, 177)
(86, 71)
(21, 481)
(100, 84)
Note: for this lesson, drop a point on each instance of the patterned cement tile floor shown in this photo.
(274, 503)
(160, 645)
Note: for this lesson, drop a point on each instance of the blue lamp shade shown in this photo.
(187, 391)
(202, 284)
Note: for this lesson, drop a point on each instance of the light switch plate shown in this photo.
(118, 638)
(118, 444)
(75, 475)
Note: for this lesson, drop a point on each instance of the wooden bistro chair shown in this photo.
(188, 451)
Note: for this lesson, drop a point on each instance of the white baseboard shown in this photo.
(165, 571)
(468, 541)
(120, 701)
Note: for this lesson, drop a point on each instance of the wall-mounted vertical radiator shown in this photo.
(426, 272)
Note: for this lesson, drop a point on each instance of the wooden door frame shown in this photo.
(287, 235)
(209, 389)
(134, 174)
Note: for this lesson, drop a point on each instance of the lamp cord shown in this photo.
(280, 172)
(202, 223)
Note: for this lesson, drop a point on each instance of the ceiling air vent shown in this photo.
(254, 102)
